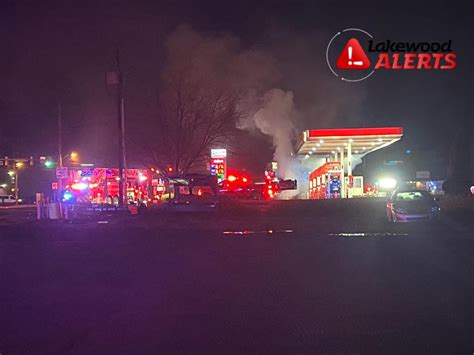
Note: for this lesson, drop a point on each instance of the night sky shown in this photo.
(60, 50)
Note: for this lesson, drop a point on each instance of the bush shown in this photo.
(457, 186)
(449, 203)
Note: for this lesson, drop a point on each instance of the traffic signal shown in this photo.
(49, 163)
(31, 161)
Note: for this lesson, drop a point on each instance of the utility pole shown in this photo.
(124, 157)
(60, 136)
(17, 195)
(60, 157)
(121, 128)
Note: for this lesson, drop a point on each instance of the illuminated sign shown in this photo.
(218, 153)
(422, 174)
(218, 163)
(218, 168)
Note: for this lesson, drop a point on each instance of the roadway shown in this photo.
(298, 277)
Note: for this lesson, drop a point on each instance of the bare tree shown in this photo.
(203, 81)
(193, 118)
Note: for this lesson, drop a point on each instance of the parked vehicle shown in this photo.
(193, 193)
(7, 200)
(411, 206)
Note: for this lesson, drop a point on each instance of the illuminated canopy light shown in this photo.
(345, 137)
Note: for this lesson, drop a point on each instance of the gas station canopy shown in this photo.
(362, 140)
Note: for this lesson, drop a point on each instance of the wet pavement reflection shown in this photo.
(253, 232)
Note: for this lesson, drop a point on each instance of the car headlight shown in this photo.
(387, 183)
(435, 209)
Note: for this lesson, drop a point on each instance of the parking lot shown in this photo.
(281, 277)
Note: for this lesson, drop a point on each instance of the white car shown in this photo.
(7, 199)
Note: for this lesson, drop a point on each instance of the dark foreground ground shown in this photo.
(296, 282)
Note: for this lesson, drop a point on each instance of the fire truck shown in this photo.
(101, 185)
(241, 186)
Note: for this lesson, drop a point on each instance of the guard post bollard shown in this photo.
(39, 205)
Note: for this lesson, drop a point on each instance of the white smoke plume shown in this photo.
(255, 74)
(274, 114)
(276, 119)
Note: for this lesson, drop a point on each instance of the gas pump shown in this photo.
(325, 181)
(334, 185)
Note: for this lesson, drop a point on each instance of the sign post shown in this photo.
(61, 172)
(423, 174)
(218, 164)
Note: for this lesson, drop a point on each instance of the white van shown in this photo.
(7, 199)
